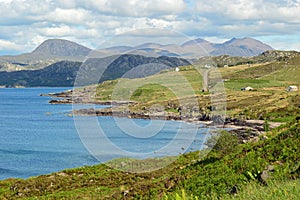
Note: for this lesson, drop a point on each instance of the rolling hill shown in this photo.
(94, 70)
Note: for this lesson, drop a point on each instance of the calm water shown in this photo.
(39, 138)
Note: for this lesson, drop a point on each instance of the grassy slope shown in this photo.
(276, 190)
(211, 177)
(269, 101)
(166, 89)
(187, 78)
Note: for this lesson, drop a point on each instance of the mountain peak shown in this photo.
(148, 45)
(243, 41)
(195, 41)
(60, 47)
(245, 46)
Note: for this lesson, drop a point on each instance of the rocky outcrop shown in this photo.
(64, 101)
(128, 114)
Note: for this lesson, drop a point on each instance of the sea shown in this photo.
(40, 138)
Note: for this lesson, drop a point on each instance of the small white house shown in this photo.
(207, 66)
(292, 88)
(177, 69)
(248, 88)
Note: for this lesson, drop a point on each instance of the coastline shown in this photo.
(246, 130)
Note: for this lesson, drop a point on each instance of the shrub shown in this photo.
(224, 142)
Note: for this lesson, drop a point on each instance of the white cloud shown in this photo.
(58, 31)
(279, 41)
(285, 46)
(70, 16)
(5, 1)
(8, 45)
(252, 9)
(37, 40)
(26, 23)
(66, 4)
(135, 8)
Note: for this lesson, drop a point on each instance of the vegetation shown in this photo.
(64, 73)
(276, 190)
(269, 100)
(266, 169)
(224, 142)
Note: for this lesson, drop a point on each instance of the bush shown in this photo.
(224, 142)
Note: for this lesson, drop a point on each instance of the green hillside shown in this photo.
(227, 172)
(269, 100)
(268, 168)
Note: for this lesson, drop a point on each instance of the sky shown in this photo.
(24, 24)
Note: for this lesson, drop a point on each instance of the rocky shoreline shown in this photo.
(246, 130)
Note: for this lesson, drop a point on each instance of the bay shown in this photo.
(39, 138)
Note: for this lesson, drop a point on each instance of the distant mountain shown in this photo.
(198, 45)
(61, 48)
(148, 45)
(92, 71)
(54, 50)
(241, 47)
(198, 48)
(49, 52)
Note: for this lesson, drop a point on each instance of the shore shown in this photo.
(246, 130)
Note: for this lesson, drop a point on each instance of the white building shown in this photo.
(248, 88)
(292, 88)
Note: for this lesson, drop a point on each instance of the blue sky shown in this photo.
(25, 24)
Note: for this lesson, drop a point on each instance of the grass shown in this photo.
(255, 83)
(189, 81)
(152, 92)
(168, 89)
(276, 190)
(232, 171)
(235, 173)
(290, 72)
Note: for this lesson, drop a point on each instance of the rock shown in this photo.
(123, 164)
(296, 173)
(63, 101)
(265, 174)
(233, 190)
(125, 192)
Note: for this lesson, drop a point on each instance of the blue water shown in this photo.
(39, 138)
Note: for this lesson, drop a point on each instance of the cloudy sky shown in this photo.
(24, 24)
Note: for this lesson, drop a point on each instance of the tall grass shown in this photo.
(276, 190)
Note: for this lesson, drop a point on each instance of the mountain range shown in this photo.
(92, 71)
(58, 62)
(54, 50)
(194, 49)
